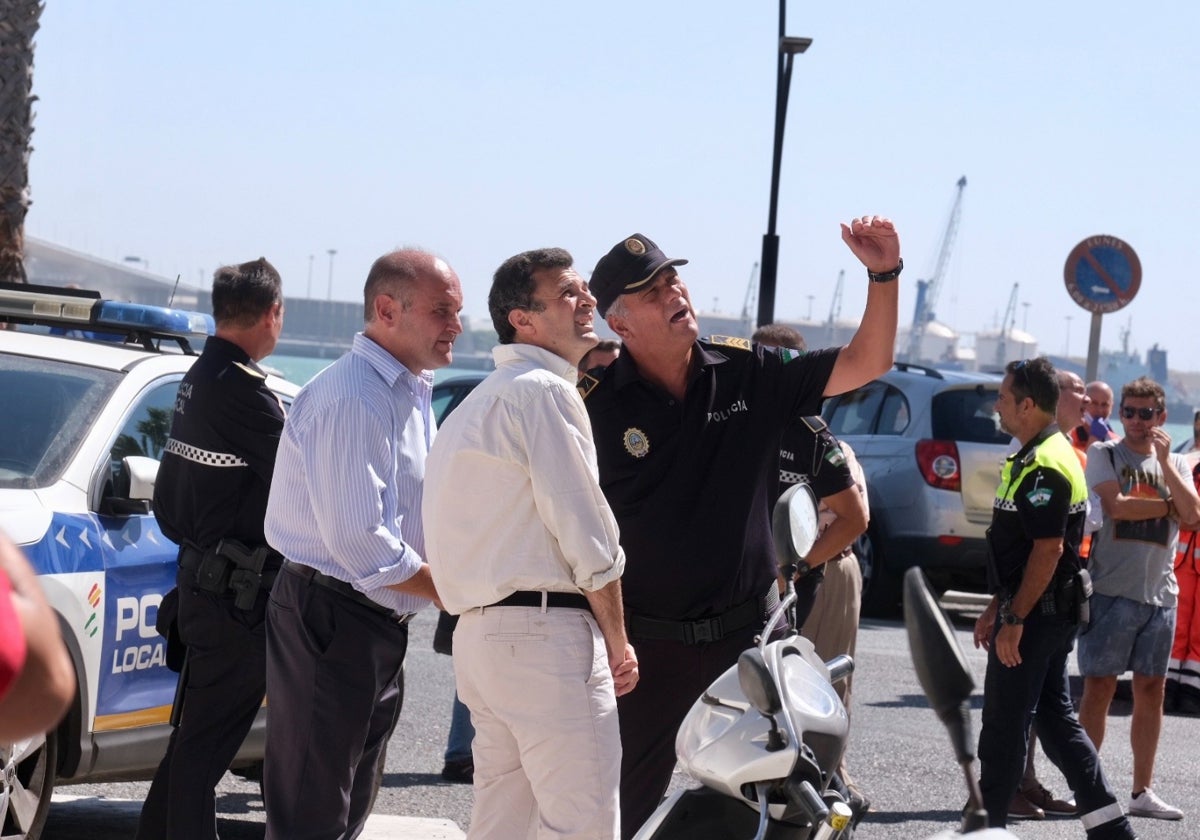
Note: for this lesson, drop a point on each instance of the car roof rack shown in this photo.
(911, 367)
(83, 313)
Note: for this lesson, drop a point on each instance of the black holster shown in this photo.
(1072, 595)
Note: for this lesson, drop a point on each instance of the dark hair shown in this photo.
(779, 335)
(393, 274)
(604, 345)
(242, 294)
(1144, 386)
(1036, 379)
(513, 285)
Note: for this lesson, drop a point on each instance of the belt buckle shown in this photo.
(703, 630)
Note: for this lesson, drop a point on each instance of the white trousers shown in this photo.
(547, 746)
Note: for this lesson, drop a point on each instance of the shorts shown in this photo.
(1125, 635)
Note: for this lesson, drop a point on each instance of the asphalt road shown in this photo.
(899, 755)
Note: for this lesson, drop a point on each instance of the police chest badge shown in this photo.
(636, 442)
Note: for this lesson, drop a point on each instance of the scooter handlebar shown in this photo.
(840, 667)
(804, 796)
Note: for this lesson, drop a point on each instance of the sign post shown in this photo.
(1103, 274)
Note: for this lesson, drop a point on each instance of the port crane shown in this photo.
(927, 290)
(1007, 325)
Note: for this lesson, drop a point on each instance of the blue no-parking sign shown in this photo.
(1103, 274)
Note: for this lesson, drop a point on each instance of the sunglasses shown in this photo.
(1129, 412)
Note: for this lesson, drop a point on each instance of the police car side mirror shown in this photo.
(794, 525)
(133, 487)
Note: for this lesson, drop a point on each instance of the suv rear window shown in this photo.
(968, 415)
(49, 408)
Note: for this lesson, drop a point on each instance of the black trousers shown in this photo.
(225, 687)
(333, 679)
(673, 677)
(1010, 698)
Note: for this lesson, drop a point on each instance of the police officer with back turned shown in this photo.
(211, 498)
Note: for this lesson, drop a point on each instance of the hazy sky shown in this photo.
(192, 134)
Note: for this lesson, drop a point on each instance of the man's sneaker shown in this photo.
(1048, 802)
(1021, 808)
(1147, 804)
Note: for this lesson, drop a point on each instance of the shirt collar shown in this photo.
(510, 353)
(387, 366)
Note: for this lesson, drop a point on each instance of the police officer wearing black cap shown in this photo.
(688, 436)
(210, 498)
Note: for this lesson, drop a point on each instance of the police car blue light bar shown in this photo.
(158, 320)
(59, 307)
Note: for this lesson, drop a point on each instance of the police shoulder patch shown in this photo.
(587, 384)
(249, 371)
(835, 456)
(1040, 496)
(729, 341)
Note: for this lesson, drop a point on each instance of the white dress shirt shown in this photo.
(512, 496)
(346, 494)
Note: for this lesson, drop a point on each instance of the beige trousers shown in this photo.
(547, 746)
(832, 626)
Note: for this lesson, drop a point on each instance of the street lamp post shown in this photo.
(788, 47)
(329, 294)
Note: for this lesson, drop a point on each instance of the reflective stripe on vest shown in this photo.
(1055, 453)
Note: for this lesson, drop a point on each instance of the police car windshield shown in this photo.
(49, 407)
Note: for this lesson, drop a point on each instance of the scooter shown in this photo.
(765, 738)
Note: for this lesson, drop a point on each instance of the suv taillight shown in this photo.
(938, 463)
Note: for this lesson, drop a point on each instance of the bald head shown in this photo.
(1101, 399)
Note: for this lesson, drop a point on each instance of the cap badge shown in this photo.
(636, 443)
(635, 246)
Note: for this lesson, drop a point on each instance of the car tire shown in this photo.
(881, 587)
(31, 788)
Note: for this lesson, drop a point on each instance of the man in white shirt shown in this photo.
(523, 547)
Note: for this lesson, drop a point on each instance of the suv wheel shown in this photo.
(28, 782)
(881, 587)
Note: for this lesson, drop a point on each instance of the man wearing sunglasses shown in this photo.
(1145, 492)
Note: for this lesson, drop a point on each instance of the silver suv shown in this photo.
(931, 447)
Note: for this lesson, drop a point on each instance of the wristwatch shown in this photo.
(885, 276)
(1007, 616)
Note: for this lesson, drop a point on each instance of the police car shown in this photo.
(88, 388)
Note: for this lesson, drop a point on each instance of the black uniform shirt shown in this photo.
(1039, 508)
(690, 484)
(812, 455)
(216, 468)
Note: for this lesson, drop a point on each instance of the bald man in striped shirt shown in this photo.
(345, 512)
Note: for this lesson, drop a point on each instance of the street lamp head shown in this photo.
(791, 46)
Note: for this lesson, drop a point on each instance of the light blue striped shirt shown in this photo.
(346, 493)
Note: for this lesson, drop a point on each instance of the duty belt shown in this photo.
(703, 629)
(569, 600)
(232, 566)
(344, 589)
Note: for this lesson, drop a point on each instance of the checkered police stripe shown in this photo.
(203, 456)
(789, 477)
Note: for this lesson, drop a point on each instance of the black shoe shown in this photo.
(461, 771)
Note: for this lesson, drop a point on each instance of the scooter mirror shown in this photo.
(756, 682)
(794, 524)
(938, 660)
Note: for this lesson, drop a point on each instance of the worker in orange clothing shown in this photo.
(1183, 671)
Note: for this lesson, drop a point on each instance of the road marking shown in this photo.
(378, 827)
